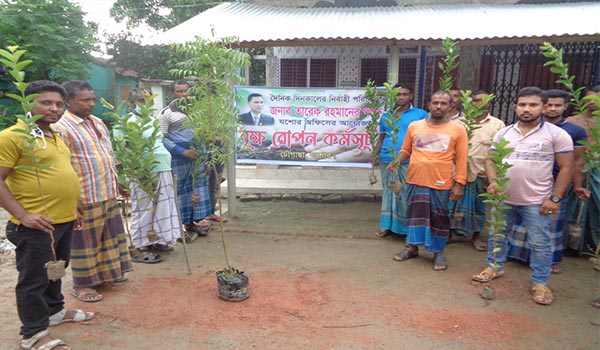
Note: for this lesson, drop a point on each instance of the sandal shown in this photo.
(121, 279)
(217, 218)
(158, 247)
(29, 344)
(200, 228)
(556, 269)
(542, 294)
(87, 295)
(382, 233)
(479, 245)
(596, 303)
(440, 263)
(147, 258)
(189, 236)
(405, 254)
(78, 315)
(487, 275)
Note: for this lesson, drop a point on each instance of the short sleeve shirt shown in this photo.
(59, 182)
(531, 180)
(405, 119)
(577, 134)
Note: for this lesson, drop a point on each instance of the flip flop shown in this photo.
(87, 295)
(480, 245)
(201, 228)
(147, 258)
(217, 218)
(78, 316)
(158, 247)
(189, 236)
(405, 254)
(382, 233)
(29, 344)
(440, 263)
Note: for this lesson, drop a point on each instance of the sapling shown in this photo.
(559, 66)
(372, 97)
(591, 158)
(134, 140)
(11, 58)
(592, 161)
(375, 98)
(496, 222)
(449, 64)
(471, 114)
(215, 66)
(392, 123)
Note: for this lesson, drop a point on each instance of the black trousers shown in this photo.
(38, 297)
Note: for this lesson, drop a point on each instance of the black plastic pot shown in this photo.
(233, 286)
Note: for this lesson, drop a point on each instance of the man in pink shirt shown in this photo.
(534, 196)
(437, 147)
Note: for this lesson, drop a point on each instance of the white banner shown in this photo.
(303, 126)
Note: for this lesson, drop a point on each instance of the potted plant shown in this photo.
(215, 65)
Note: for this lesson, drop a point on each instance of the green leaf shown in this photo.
(24, 167)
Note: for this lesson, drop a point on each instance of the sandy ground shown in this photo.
(321, 280)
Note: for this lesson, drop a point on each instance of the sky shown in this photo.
(99, 11)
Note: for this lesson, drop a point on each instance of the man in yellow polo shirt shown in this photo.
(36, 222)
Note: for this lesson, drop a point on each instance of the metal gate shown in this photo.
(507, 68)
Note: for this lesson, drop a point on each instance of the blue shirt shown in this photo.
(576, 132)
(406, 118)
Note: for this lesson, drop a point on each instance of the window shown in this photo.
(407, 70)
(258, 67)
(374, 69)
(293, 73)
(323, 72)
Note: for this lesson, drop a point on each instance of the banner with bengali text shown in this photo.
(303, 126)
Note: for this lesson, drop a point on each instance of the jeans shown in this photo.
(37, 297)
(538, 239)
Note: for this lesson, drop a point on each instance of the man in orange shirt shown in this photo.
(436, 146)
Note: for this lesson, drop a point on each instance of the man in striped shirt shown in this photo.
(99, 251)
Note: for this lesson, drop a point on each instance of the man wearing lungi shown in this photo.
(99, 251)
(556, 104)
(534, 196)
(468, 214)
(393, 206)
(192, 181)
(436, 147)
(590, 218)
(36, 224)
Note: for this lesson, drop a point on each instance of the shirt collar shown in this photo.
(539, 126)
(73, 118)
(22, 125)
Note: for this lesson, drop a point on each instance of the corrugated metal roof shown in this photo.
(259, 24)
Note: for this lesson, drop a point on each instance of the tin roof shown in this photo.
(256, 25)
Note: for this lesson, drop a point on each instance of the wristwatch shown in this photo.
(555, 199)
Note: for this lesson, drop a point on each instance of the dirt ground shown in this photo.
(320, 279)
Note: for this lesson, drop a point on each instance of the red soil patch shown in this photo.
(296, 307)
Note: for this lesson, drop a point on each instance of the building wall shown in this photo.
(500, 69)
